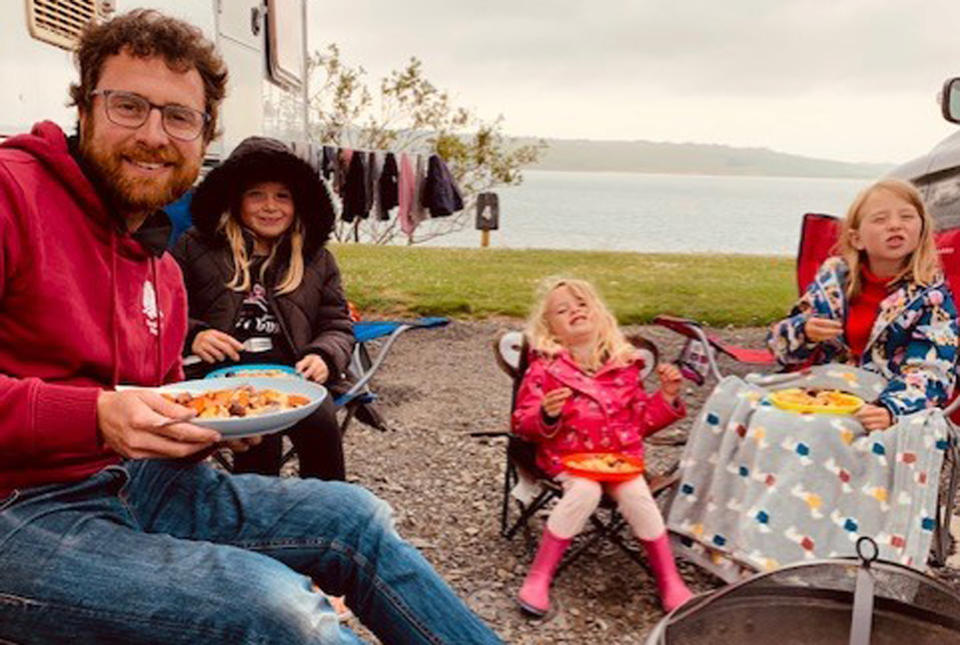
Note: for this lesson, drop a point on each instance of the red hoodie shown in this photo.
(83, 307)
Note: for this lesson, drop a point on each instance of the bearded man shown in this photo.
(112, 529)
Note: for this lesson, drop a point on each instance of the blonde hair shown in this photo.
(241, 261)
(610, 343)
(923, 265)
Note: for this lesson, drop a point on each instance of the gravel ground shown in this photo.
(439, 385)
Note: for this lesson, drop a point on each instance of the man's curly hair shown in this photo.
(145, 33)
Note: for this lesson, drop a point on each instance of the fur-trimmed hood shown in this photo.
(260, 159)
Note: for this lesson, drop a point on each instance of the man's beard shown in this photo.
(129, 195)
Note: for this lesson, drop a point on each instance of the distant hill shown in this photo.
(691, 158)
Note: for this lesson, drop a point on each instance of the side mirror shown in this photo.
(950, 100)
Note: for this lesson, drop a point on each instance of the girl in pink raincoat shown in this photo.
(582, 392)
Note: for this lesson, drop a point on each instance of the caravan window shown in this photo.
(285, 41)
(59, 22)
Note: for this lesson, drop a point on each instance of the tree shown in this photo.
(408, 113)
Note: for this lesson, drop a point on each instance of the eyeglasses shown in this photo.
(131, 110)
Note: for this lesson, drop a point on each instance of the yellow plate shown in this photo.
(826, 401)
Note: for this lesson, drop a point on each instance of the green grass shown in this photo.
(738, 290)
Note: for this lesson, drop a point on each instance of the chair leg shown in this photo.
(527, 512)
(510, 478)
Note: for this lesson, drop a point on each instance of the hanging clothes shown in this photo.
(440, 193)
(372, 173)
(406, 193)
(417, 212)
(340, 169)
(387, 186)
(355, 188)
(328, 162)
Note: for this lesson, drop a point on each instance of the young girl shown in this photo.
(582, 393)
(881, 304)
(263, 288)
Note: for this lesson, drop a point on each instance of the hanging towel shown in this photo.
(355, 188)
(387, 186)
(440, 193)
(406, 193)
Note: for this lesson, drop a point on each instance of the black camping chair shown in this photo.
(527, 490)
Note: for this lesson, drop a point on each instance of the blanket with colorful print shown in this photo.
(765, 487)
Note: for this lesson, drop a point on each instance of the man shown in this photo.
(111, 528)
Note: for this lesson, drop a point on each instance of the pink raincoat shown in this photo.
(607, 412)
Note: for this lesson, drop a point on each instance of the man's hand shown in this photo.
(213, 346)
(314, 368)
(554, 399)
(140, 424)
(670, 381)
(821, 329)
(874, 417)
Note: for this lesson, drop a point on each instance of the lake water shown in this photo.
(659, 213)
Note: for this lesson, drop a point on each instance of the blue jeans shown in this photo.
(173, 552)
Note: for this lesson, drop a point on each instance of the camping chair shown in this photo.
(950, 471)
(530, 490)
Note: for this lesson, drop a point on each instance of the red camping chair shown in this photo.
(818, 238)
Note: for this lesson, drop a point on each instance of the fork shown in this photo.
(253, 345)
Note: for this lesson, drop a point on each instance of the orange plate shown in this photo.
(571, 462)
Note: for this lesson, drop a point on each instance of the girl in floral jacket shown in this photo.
(582, 392)
(881, 304)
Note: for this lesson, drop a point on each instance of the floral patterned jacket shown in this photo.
(608, 411)
(913, 343)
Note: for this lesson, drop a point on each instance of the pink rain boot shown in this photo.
(534, 595)
(673, 592)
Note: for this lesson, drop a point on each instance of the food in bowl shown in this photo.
(240, 401)
(813, 400)
(604, 463)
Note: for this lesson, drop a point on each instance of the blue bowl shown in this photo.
(252, 369)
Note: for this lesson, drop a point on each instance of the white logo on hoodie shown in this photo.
(150, 308)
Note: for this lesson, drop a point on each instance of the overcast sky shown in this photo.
(854, 80)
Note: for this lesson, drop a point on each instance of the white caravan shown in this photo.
(262, 41)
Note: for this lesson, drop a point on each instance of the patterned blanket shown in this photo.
(762, 487)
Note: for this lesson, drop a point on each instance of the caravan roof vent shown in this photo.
(59, 22)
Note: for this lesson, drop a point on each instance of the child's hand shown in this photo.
(821, 329)
(670, 381)
(554, 399)
(874, 417)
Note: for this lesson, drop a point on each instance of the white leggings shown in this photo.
(582, 496)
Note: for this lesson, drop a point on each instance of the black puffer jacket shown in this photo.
(314, 317)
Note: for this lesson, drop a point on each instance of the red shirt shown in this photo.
(863, 309)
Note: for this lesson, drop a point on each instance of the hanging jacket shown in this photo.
(355, 188)
(608, 411)
(440, 194)
(387, 186)
(418, 212)
(85, 306)
(913, 343)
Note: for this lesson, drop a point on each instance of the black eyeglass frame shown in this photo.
(106, 94)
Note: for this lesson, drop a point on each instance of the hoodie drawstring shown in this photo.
(114, 319)
(159, 312)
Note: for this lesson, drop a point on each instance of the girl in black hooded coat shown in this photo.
(263, 288)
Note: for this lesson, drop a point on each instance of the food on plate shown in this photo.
(604, 463)
(240, 401)
(816, 400)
